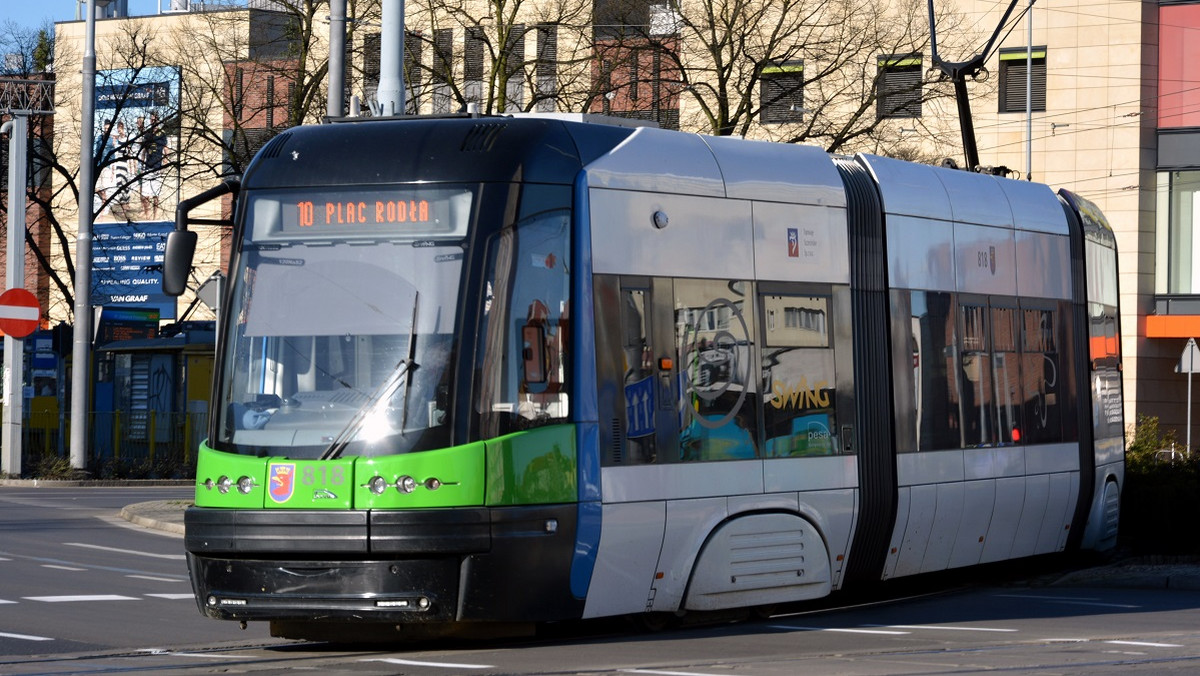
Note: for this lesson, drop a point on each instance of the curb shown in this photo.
(142, 514)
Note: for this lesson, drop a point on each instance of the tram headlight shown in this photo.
(245, 484)
(377, 485)
(406, 484)
(224, 483)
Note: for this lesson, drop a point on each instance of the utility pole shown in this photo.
(81, 345)
(19, 99)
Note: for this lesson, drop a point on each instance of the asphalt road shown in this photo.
(85, 591)
(76, 576)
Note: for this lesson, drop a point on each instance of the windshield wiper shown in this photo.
(400, 375)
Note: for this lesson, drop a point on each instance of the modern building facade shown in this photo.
(1100, 98)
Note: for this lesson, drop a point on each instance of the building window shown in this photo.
(514, 61)
(547, 66)
(1014, 64)
(898, 86)
(473, 65)
(1181, 191)
(413, 68)
(443, 69)
(781, 93)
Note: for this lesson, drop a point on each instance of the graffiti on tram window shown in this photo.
(798, 377)
(717, 414)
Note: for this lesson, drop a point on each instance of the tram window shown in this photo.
(1040, 375)
(526, 293)
(1006, 375)
(640, 387)
(931, 410)
(799, 386)
(978, 403)
(714, 351)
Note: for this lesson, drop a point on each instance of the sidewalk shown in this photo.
(164, 515)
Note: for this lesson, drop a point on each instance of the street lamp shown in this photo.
(81, 343)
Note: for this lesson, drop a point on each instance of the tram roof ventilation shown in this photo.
(481, 138)
(275, 145)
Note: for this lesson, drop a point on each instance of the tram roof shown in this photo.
(437, 150)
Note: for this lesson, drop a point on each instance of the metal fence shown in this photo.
(147, 438)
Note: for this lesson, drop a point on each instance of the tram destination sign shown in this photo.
(127, 261)
(426, 210)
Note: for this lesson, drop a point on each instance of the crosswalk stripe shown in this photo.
(24, 637)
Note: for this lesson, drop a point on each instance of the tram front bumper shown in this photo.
(438, 565)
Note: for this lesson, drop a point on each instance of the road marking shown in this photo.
(940, 627)
(414, 663)
(662, 673)
(2, 601)
(173, 597)
(80, 597)
(842, 630)
(1146, 644)
(157, 579)
(25, 637)
(1069, 600)
(73, 568)
(173, 557)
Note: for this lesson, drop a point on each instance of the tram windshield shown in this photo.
(339, 335)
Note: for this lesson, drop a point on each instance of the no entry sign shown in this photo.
(19, 313)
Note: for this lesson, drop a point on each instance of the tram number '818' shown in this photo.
(323, 475)
(366, 213)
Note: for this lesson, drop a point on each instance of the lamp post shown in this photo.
(82, 341)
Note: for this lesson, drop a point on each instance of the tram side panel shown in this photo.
(980, 321)
(688, 312)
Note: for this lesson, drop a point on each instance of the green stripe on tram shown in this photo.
(533, 467)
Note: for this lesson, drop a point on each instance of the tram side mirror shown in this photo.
(534, 353)
(177, 261)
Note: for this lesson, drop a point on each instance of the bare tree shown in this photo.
(815, 71)
(516, 55)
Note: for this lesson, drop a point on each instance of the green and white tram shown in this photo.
(494, 369)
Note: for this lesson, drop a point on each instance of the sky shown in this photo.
(31, 13)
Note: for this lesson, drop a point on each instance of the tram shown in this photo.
(480, 370)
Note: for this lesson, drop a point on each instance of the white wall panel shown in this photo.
(944, 531)
(796, 242)
(704, 237)
(678, 481)
(810, 474)
(689, 523)
(922, 509)
(1033, 513)
(777, 172)
(979, 499)
(986, 260)
(929, 467)
(996, 461)
(1006, 518)
(920, 254)
(1052, 458)
(631, 537)
(1043, 265)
